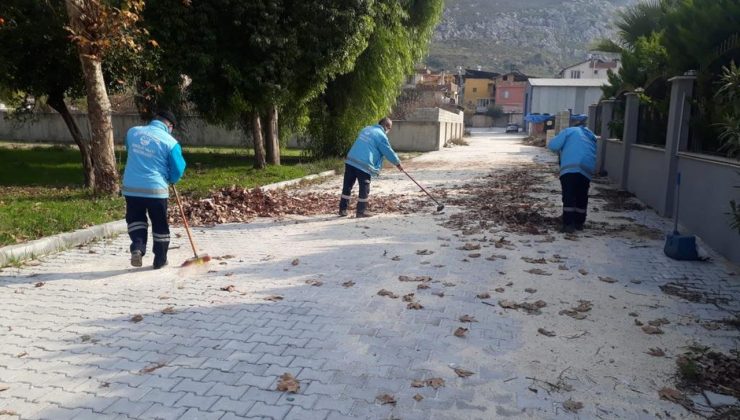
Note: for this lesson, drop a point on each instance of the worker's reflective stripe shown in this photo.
(362, 200)
(137, 226)
(574, 209)
(158, 191)
(346, 197)
(161, 237)
(577, 210)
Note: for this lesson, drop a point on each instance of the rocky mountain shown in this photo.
(537, 37)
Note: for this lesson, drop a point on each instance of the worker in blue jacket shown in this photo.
(364, 161)
(154, 162)
(577, 148)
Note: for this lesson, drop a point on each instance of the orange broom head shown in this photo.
(199, 260)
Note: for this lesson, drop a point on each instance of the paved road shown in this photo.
(71, 350)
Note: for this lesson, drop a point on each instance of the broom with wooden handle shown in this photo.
(196, 259)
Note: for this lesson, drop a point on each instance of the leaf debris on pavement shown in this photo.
(137, 318)
(546, 332)
(315, 283)
(607, 279)
(649, 329)
(463, 373)
(230, 288)
(274, 298)
(461, 332)
(386, 399)
(288, 383)
(538, 271)
(415, 305)
(484, 295)
(468, 318)
(169, 310)
(348, 283)
(572, 406)
(153, 367)
(388, 293)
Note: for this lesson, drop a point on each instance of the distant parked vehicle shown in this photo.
(512, 128)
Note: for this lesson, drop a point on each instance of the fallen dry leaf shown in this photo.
(39, 284)
(638, 322)
(348, 283)
(288, 383)
(484, 295)
(509, 284)
(396, 258)
(573, 314)
(168, 310)
(8, 413)
(495, 257)
(228, 274)
(562, 267)
(572, 406)
(418, 397)
(546, 332)
(408, 298)
(508, 304)
(670, 394)
(295, 262)
(657, 352)
(274, 298)
(658, 322)
(499, 290)
(418, 383)
(463, 373)
(229, 288)
(435, 382)
(386, 399)
(649, 329)
(153, 367)
(538, 271)
(583, 306)
(137, 318)
(315, 283)
(424, 252)
(474, 255)
(422, 286)
(460, 332)
(439, 294)
(21, 354)
(415, 305)
(448, 284)
(530, 290)
(607, 279)
(4, 387)
(470, 247)
(414, 279)
(583, 271)
(383, 292)
(534, 260)
(468, 318)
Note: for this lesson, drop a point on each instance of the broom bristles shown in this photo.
(201, 259)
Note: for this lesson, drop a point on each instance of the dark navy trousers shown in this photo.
(137, 209)
(575, 199)
(352, 175)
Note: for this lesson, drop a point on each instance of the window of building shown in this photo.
(475, 90)
(575, 74)
(506, 78)
(506, 94)
(484, 102)
(596, 72)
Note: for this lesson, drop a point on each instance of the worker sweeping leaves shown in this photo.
(364, 161)
(154, 161)
(577, 149)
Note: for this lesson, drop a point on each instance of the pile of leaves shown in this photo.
(709, 370)
(505, 197)
(236, 204)
(537, 141)
(617, 200)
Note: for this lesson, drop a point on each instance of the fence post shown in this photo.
(607, 113)
(631, 115)
(592, 116)
(677, 133)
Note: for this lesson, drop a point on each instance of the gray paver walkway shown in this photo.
(70, 350)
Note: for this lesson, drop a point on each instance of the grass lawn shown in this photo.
(41, 194)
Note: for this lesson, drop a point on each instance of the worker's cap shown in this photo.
(167, 115)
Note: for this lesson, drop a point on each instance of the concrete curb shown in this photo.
(49, 245)
(52, 244)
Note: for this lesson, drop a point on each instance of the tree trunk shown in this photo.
(56, 101)
(259, 142)
(99, 112)
(272, 142)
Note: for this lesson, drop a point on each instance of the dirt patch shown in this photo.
(694, 293)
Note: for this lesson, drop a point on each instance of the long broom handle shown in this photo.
(419, 185)
(184, 220)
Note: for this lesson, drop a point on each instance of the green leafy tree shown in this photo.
(248, 60)
(37, 60)
(400, 38)
(98, 27)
